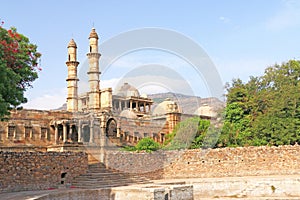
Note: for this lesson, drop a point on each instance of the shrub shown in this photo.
(147, 144)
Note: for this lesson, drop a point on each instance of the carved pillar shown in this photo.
(55, 134)
(144, 107)
(92, 131)
(79, 131)
(65, 135)
(70, 133)
(137, 106)
(118, 130)
(46, 134)
(130, 104)
(120, 106)
(102, 137)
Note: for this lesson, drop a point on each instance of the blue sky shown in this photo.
(242, 38)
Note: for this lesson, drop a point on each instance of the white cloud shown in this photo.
(224, 19)
(287, 17)
(49, 100)
(111, 83)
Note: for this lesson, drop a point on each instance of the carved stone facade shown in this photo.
(92, 117)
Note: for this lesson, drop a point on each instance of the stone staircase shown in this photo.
(98, 176)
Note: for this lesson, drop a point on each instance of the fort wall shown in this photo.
(39, 170)
(44, 170)
(223, 162)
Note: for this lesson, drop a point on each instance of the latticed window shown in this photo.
(28, 130)
(11, 131)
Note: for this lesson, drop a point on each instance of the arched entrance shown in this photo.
(111, 128)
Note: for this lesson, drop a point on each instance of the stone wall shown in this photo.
(225, 162)
(39, 170)
(38, 122)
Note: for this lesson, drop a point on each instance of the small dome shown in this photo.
(144, 95)
(128, 114)
(93, 34)
(128, 91)
(206, 110)
(167, 106)
(72, 44)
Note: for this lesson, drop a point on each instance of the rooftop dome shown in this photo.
(127, 91)
(206, 110)
(93, 34)
(72, 44)
(167, 106)
(128, 114)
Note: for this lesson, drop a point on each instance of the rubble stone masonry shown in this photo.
(39, 170)
(222, 162)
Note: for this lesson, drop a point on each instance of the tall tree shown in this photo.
(265, 110)
(18, 68)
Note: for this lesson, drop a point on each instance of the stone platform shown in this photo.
(262, 188)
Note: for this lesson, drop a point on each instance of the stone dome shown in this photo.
(128, 114)
(206, 110)
(72, 44)
(167, 106)
(93, 34)
(127, 91)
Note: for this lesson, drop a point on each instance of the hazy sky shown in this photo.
(241, 37)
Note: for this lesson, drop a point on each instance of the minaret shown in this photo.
(94, 72)
(72, 63)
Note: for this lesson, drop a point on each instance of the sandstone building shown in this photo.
(92, 117)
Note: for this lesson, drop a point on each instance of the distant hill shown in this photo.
(63, 107)
(189, 104)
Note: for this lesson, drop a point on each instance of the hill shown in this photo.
(188, 104)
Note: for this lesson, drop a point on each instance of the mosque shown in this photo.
(124, 116)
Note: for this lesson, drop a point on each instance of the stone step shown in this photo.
(98, 176)
(106, 182)
(110, 176)
(79, 180)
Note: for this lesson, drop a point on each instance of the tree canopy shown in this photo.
(265, 110)
(18, 68)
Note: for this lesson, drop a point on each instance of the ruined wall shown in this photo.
(132, 130)
(30, 127)
(247, 161)
(39, 170)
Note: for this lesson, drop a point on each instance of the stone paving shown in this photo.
(262, 188)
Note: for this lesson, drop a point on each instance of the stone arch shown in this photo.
(111, 128)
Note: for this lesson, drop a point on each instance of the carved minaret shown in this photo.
(72, 63)
(94, 72)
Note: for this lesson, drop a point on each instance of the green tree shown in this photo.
(18, 69)
(190, 133)
(265, 110)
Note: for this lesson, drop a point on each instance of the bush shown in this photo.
(147, 144)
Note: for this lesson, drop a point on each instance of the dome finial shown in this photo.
(93, 34)
(72, 43)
